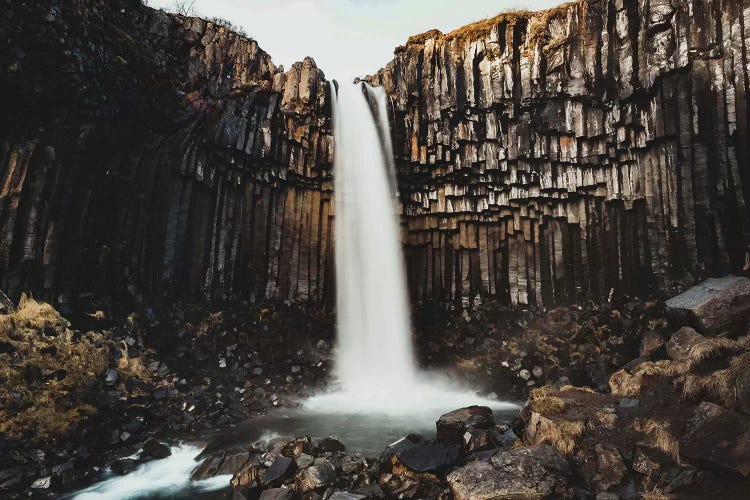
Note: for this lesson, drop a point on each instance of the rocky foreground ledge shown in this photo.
(674, 423)
(622, 402)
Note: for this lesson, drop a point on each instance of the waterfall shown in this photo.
(374, 362)
(374, 331)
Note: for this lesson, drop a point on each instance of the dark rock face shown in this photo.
(719, 437)
(145, 153)
(597, 148)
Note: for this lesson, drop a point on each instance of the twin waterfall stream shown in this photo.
(379, 394)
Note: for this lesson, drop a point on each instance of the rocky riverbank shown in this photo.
(674, 422)
(620, 401)
(76, 396)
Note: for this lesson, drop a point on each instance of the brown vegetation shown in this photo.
(44, 367)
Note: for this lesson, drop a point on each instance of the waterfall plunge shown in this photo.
(374, 344)
(375, 362)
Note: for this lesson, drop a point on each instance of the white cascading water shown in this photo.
(374, 345)
(375, 362)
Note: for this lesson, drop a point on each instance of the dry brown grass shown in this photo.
(659, 434)
(717, 386)
(625, 384)
(656, 494)
(544, 403)
(42, 378)
(539, 24)
(558, 431)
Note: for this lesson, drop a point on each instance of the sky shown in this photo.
(347, 38)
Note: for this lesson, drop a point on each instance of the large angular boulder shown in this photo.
(534, 472)
(717, 436)
(452, 426)
(317, 476)
(414, 453)
(714, 306)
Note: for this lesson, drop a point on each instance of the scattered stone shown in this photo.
(124, 466)
(316, 476)
(611, 468)
(233, 462)
(345, 495)
(111, 377)
(276, 494)
(524, 374)
(154, 449)
(718, 436)
(452, 426)
(304, 460)
(281, 469)
(599, 375)
(209, 467)
(629, 403)
(428, 456)
(330, 444)
(742, 389)
(714, 306)
(682, 341)
(651, 345)
(43, 483)
(537, 371)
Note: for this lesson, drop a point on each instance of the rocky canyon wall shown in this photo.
(149, 154)
(596, 149)
(599, 148)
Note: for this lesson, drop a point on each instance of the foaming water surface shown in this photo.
(168, 478)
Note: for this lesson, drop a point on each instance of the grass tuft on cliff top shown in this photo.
(539, 22)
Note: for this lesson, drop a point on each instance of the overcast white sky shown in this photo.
(347, 38)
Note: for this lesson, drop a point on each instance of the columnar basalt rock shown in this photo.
(597, 148)
(147, 153)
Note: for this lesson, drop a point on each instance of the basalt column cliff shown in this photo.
(145, 153)
(597, 148)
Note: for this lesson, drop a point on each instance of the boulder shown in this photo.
(154, 449)
(317, 476)
(233, 462)
(345, 495)
(281, 469)
(276, 494)
(719, 437)
(679, 345)
(428, 456)
(651, 345)
(610, 467)
(330, 444)
(209, 467)
(250, 475)
(714, 306)
(529, 473)
(452, 426)
(742, 389)
(123, 466)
